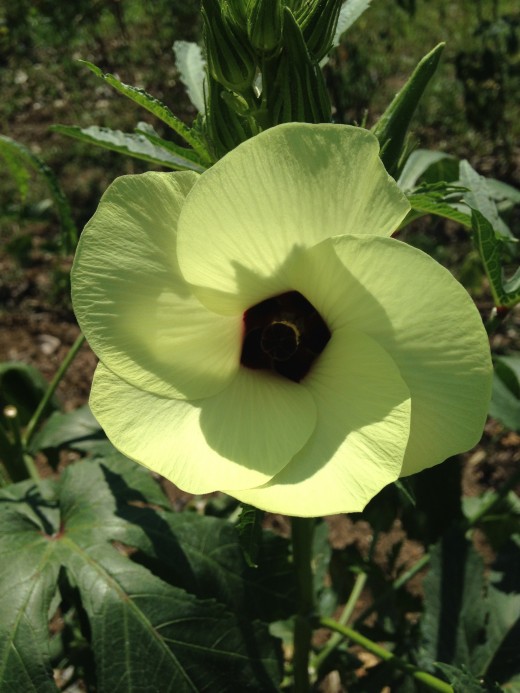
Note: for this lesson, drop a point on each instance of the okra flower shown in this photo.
(260, 333)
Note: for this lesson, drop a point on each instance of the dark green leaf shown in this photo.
(490, 249)
(467, 616)
(15, 151)
(393, 125)
(505, 398)
(136, 145)
(462, 681)
(428, 204)
(28, 579)
(249, 528)
(166, 639)
(23, 386)
(78, 430)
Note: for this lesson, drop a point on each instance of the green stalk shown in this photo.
(302, 535)
(345, 617)
(64, 366)
(429, 680)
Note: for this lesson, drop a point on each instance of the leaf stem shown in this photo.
(345, 617)
(302, 535)
(64, 366)
(431, 681)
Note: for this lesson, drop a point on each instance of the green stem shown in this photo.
(431, 681)
(10, 445)
(345, 617)
(302, 535)
(35, 419)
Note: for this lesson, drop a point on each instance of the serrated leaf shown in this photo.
(490, 248)
(479, 197)
(467, 616)
(192, 69)
(461, 680)
(27, 585)
(427, 204)
(77, 430)
(14, 151)
(136, 145)
(154, 106)
(182, 153)
(147, 634)
(201, 554)
(166, 639)
(249, 528)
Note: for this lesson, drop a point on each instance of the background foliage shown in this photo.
(92, 535)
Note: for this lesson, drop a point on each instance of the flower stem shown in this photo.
(35, 419)
(302, 535)
(429, 680)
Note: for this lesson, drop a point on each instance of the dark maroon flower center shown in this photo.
(284, 334)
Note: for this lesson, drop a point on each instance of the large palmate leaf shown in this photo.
(147, 634)
(77, 430)
(204, 555)
(469, 617)
(28, 578)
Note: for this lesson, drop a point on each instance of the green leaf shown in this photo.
(201, 554)
(249, 528)
(23, 386)
(462, 681)
(393, 125)
(136, 145)
(424, 203)
(427, 163)
(167, 639)
(154, 106)
(350, 12)
(468, 616)
(28, 581)
(505, 397)
(505, 293)
(192, 69)
(480, 198)
(19, 157)
(77, 430)
(146, 634)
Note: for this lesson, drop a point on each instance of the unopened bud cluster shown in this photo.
(263, 65)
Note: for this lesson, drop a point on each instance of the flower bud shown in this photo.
(265, 24)
(318, 22)
(293, 82)
(230, 58)
(225, 129)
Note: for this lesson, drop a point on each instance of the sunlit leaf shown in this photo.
(136, 145)
(152, 105)
(192, 69)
